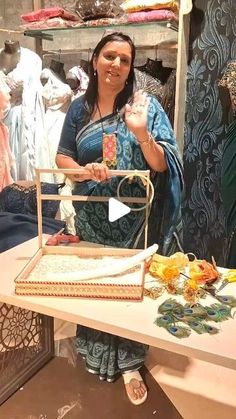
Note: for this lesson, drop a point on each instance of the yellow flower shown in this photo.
(192, 284)
(166, 273)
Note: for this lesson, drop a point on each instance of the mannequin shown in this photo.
(9, 56)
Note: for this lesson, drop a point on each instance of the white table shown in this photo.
(133, 320)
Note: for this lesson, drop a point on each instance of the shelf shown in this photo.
(48, 34)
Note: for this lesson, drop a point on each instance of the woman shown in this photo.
(142, 139)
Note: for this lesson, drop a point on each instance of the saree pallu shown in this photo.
(105, 354)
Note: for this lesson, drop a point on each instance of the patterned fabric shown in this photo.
(151, 16)
(48, 13)
(148, 83)
(229, 192)
(228, 81)
(18, 199)
(212, 42)
(105, 354)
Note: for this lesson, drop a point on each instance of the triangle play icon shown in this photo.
(116, 209)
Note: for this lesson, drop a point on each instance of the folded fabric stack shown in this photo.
(51, 17)
(150, 10)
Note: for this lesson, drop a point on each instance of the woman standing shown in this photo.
(141, 138)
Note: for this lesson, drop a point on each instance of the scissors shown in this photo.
(230, 277)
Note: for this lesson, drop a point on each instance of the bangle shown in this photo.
(148, 141)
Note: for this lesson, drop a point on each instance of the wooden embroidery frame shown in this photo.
(84, 251)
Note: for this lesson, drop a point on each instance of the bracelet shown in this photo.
(148, 141)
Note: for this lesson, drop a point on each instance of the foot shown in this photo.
(135, 387)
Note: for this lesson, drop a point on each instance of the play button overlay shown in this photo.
(116, 209)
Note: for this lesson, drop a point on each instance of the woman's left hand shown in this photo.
(137, 113)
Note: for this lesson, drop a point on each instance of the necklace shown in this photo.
(109, 145)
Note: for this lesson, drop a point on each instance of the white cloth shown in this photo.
(67, 211)
(57, 98)
(25, 120)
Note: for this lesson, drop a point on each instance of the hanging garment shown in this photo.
(25, 119)
(83, 80)
(149, 84)
(156, 70)
(57, 98)
(6, 159)
(165, 93)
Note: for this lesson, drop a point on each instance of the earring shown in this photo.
(95, 73)
(126, 83)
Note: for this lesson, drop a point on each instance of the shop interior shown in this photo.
(185, 62)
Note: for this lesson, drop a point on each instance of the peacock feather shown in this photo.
(170, 306)
(193, 317)
(201, 328)
(165, 320)
(179, 331)
(218, 312)
(195, 311)
(185, 318)
(229, 300)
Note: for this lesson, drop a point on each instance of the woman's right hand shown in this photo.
(91, 171)
(97, 171)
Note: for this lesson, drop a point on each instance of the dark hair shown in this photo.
(91, 93)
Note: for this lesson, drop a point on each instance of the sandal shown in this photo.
(134, 382)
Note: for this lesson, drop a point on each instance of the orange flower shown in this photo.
(202, 271)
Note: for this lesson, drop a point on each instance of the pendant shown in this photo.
(109, 150)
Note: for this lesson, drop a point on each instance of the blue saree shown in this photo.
(81, 139)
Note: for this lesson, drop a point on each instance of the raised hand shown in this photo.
(136, 114)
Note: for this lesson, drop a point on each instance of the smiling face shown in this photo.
(113, 64)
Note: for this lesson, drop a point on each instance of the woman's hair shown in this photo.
(91, 93)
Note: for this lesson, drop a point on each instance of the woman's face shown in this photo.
(113, 64)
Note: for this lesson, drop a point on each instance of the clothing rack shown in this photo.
(90, 50)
